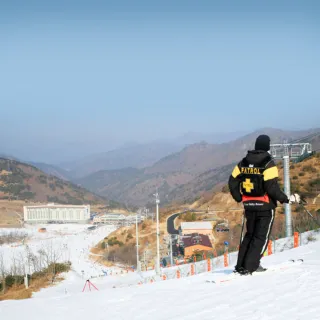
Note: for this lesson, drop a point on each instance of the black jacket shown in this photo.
(254, 181)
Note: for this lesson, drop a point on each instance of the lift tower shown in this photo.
(286, 151)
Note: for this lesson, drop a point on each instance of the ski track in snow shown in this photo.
(279, 295)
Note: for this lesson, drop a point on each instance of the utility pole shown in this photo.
(287, 191)
(171, 255)
(145, 259)
(137, 244)
(285, 151)
(158, 235)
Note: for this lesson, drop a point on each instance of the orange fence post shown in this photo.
(192, 269)
(226, 259)
(178, 274)
(296, 239)
(194, 259)
(209, 264)
(269, 247)
(215, 253)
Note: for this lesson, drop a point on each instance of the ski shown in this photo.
(281, 266)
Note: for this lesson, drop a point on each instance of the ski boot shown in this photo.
(260, 269)
(242, 271)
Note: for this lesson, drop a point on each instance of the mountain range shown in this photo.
(179, 172)
(182, 175)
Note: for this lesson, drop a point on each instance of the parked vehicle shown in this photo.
(222, 227)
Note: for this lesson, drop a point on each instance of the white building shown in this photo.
(109, 218)
(116, 219)
(132, 220)
(196, 227)
(51, 213)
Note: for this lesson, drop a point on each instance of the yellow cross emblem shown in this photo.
(248, 185)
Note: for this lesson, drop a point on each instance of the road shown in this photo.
(170, 220)
(170, 224)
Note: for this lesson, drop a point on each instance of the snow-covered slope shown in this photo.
(288, 294)
(71, 241)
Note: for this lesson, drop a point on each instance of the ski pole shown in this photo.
(241, 235)
(309, 213)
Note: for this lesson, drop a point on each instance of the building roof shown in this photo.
(196, 225)
(51, 205)
(196, 239)
(112, 215)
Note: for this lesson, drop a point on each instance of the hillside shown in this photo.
(133, 186)
(52, 170)
(206, 182)
(120, 244)
(20, 181)
(305, 177)
(181, 176)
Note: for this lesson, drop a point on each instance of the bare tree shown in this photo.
(2, 273)
(51, 256)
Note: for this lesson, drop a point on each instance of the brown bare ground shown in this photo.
(9, 213)
(20, 292)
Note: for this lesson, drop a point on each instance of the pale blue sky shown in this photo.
(80, 77)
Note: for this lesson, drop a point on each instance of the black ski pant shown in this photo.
(255, 241)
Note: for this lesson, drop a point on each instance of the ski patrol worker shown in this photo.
(254, 182)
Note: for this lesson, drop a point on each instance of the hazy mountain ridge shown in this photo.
(136, 156)
(185, 174)
(178, 176)
(52, 170)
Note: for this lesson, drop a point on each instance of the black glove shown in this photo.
(285, 201)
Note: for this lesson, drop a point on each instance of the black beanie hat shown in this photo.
(262, 143)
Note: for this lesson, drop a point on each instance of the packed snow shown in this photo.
(73, 243)
(291, 293)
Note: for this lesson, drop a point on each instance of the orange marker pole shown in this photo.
(192, 269)
(296, 239)
(209, 264)
(226, 264)
(269, 247)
